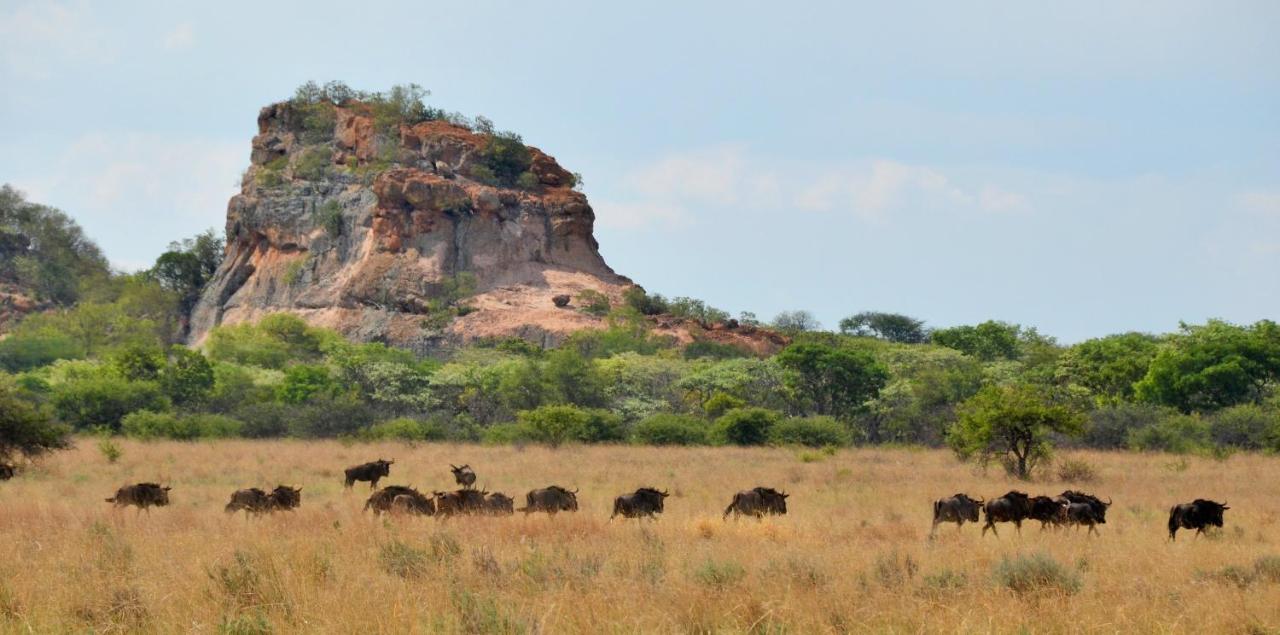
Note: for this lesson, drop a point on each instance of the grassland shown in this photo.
(852, 556)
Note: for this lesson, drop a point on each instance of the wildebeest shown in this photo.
(551, 500)
(1085, 509)
(499, 504)
(758, 502)
(141, 495)
(256, 501)
(465, 476)
(1013, 507)
(1196, 515)
(1048, 511)
(463, 501)
(371, 472)
(955, 509)
(7, 471)
(409, 500)
(644, 502)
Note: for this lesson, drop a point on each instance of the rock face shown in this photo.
(400, 234)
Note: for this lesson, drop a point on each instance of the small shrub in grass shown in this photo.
(400, 559)
(245, 624)
(215, 426)
(481, 614)
(1076, 471)
(110, 449)
(1232, 574)
(507, 434)
(671, 429)
(814, 432)
(719, 574)
(893, 570)
(943, 582)
(1268, 568)
(1036, 573)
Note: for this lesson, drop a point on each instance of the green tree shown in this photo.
(1012, 424)
(102, 401)
(831, 381)
(556, 425)
(187, 266)
(304, 381)
(747, 426)
(138, 362)
(1109, 366)
(573, 379)
(671, 429)
(893, 327)
(990, 340)
(798, 321)
(1213, 366)
(25, 429)
(187, 377)
(43, 250)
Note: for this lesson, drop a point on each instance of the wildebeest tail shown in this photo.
(729, 509)
(110, 500)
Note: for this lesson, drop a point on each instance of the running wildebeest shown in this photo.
(499, 504)
(463, 501)
(551, 500)
(1048, 511)
(644, 502)
(1013, 507)
(758, 502)
(411, 501)
(371, 472)
(1196, 515)
(956, 509)
(256, 501)
(141, 495)
(465, 476)
(7, 471)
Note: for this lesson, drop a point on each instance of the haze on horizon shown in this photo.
(1086, 170)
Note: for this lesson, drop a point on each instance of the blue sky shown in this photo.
(1085, 168)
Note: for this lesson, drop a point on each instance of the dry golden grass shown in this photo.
(853, 555)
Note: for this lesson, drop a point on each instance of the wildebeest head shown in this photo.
(286, 497)
(774, 501)
(1209, 512)
(7, 471)
(965, 507)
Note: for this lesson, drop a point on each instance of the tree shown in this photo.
(831, 381)
(43, 250)
(573, 379)
(188, 265)
(796, 321)
(304, 381)
(25, 429)
(1209, 367)
(1109, 366)
(893, 327)
(102, 401)
(988, 341)
(1011, 424)
(747, 426)
(187, 376)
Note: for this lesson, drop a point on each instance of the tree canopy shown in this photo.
(1012, 424)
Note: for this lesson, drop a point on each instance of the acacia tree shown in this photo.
(1011, 424)
(893, 327)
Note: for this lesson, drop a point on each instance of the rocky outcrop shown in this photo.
(400, 234)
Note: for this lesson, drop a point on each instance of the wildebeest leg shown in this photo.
(1093, 529)
(374, 483)
(1018, 524)
(992, 526)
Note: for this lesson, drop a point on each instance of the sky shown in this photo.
(1085, 168)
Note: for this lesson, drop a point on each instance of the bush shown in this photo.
(1245, 426)
(145, 424)
(507, 434)
(696, 310)
(646, 304)
(700, 349)
(1177, 433)
(104, 400)
(1037, 573)
(527, 181)
(671, 429)
(506, 157)
(405, 429)
(720, 403)
(264, 420)
(482, 174)
(313, 163)
(814, 432)
(215, 426)
(329, 216)
(1076, 471)
(1108, 428)
(303, 382)
(720, 574)
(327, 418)
(746, 426)
(555, 425)
(593, 302)
(25, 351)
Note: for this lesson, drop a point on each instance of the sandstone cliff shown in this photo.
(401, 233)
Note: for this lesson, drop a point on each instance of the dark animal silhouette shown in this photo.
(644, 502)
(463, 501)
(465, 476)
(141, 495)
(412, 501)
(372, 472)
(1084, 514)
(256, 501)
(758, 502)
(1095, 504)
(552, 500)
(1048, 511)
(1196, 515)
(955, 509)
(7, 471)
(1013, 507)
(499, 504)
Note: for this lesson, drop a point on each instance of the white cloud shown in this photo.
(36, 38)
(617, 215)
(182, 36)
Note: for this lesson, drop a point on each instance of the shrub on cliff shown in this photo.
(506, 156)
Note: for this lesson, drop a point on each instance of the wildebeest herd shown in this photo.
(1070, 508)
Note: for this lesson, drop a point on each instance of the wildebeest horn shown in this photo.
(575, 490)
(452, 466)
(1108, 501)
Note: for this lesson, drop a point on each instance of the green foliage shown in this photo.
(109, 449)
(1109, 366)
(671, 429)
(572, 378)
(642, 302)
(318, 122)
(44, 250)
(1177, 433)
(406, 429)
(102, 401)
(1109, 427)
(302, 382)
(721, 403)
(1036, 574)
(831, 381)
(187, 266)
(709, 349)
(814, 432)
(893, 327)
(188, 377)
(798, 321)
(276, 340)
(1209, 367)
(620, 337)
(92, 328)
(272, 172)
(506, 157)
(138, 362)
(990, 340)
(527, 181)
(26, 429)
(313, 163)
(482, 174)
(719, 574)
(29, 348)
(696, 310)
(329, 216)
(593, 302)
(1246, 426)
(556, 425)
(746, 426)
(1011, 424)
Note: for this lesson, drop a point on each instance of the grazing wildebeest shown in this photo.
(1048, 511)
(956, 509)
(757, 502)
(551, 500)
(1196, 515)
(465, 476)
(7, 471)
(499, 504)
(256, 501)
(463, 501)
(141, 495)
(411, 501)
(1013, 507)
(644, 502)
(371, 472)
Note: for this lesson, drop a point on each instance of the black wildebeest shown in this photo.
(1196, 515)
(141, 495)
(256, 501)
(371, 472)
(463, 501)
(499, 504)
(7, 471)
(1048, 511)
(551, 500)
(1085, 509)
(465, 476)
(1013, 507)
(955, 509)
(644, 502)
(410, 501)
(758, 502)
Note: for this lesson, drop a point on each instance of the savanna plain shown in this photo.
(853, 554)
